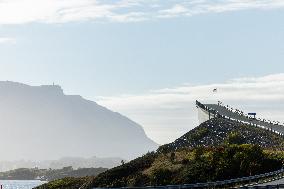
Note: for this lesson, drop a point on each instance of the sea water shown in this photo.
(20, 184)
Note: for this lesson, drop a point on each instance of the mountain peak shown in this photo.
(54, 125)
(11, 86)
(52, 88)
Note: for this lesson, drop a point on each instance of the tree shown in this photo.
(235, 138)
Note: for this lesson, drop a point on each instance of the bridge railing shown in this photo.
(253, 122)
(277, 186)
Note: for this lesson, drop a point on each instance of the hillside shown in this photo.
(218, 131)
(216, 150)
(42, 123)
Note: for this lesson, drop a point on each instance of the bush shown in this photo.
(235, 138)
(161, 177)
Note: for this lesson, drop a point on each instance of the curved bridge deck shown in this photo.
(219, 110)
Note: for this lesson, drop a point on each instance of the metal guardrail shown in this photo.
(264, 187)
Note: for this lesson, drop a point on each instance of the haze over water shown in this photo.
(20, 184)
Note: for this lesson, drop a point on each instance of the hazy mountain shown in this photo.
(42, 123)
(75, 162)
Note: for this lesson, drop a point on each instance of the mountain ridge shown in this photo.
(55, 125)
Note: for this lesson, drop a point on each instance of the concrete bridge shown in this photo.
(208, 111)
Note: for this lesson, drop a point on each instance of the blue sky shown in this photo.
(108, 49)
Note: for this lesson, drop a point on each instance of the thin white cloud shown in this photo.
(176, 10)
(7, 40)
(62, 11)
(168, 113)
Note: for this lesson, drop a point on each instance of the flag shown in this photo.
(215, 90)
